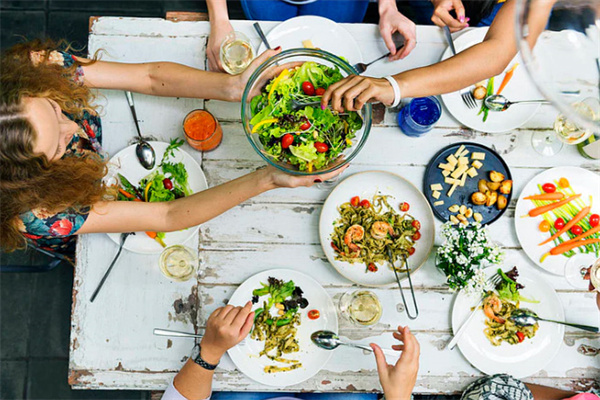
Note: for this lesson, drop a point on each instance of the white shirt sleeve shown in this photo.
(173, 394)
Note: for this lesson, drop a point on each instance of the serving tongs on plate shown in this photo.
(412, 292)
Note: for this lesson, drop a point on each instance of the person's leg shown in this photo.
(337, 10)
(268, 10)
(338, 396)
(247, 395)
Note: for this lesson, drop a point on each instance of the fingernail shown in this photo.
(466, 25)
(277, 48)
(318, 181)
(461, 19)
(468, 19)
(322, 106)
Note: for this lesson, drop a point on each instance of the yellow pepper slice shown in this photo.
(348, 142)
(263, 122)
(282, 75)
(310, 166)
(146, 190)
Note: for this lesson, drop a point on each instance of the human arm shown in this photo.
(225, 328)
(472, 65)
(548, 393)
(169, 79)
(219, 28)
(399, 380)
(442, 17)
(127, 216)
(391, 21)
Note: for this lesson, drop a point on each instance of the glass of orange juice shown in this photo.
(202, 130)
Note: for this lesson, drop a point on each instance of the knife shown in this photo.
(449, 39)
(463, 327)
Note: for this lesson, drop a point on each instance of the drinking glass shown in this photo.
(576, 268)
(419, 116)
(202, 130)
(236, 53)
(360, 307)
(178, 263)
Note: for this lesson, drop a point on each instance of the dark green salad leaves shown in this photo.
(286, 293)
(508, 288)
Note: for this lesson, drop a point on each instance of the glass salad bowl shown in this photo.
(301, 140)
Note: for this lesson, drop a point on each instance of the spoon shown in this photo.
(497, 102)
(143, 150)
(525, 317)
(362, 67)
(329, 340)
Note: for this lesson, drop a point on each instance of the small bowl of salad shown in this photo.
(283, 119)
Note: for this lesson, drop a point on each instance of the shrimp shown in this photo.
(380, 230)
(491, 306)
(354, 234)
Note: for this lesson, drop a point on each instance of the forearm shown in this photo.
(386, 5)
(547, 393)
(193, 381)
(217, 10)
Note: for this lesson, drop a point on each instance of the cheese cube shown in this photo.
(437, 186)
(308, 44)
(478, 156)
(450, 181)
(436, 194)
(446, 172)
(460, 150)
(445, 166)
(463, 179)
(451, 160)
(463, 161)
(464, 153)
(452, 189)
(477, 164)
(459, 171)
(439, 203)
(472, 172)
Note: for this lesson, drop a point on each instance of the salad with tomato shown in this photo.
(308, 138)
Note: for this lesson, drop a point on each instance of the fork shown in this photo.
(362, 67)
(466, 94)
(494, 280)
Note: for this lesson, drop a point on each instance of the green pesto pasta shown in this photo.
(506, 331)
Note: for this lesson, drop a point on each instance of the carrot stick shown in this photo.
(585, 234)
(546, 196)
(126, 194)
(561, 248)
(154, 236)
(507, 77)
(568, 225)
(549, 207)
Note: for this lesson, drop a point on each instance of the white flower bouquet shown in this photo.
(466, 250)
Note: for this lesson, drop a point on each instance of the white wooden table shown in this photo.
(112, 345)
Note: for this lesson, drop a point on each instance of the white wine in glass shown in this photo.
(178, 263)
(236, 53)
(570, 132)
(361, 307)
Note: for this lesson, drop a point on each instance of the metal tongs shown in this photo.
(412, 292)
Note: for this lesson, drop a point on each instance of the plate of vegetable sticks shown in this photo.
(557, 217)
(514, 83)
(185, 177)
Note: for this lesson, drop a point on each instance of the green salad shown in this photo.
(309, 138)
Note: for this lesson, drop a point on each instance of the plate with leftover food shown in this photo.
(492, 342)
(466, 183)
(514, 83)
(370, 215)
(557, 217)
(176, 174)
(289, 306)
(309, 31)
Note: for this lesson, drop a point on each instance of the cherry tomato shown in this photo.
(314, 314)
(563, 183)
(355, 201)
(544, 226)
(576, 230)
(287, 140)
(411, 251)
(365, 203)
(521, 336)
(167, 184)
(320, 91)
(416, 236)
(416, 224)
(372, 267)
(308, 88)
(549, 188)
(321, 147)
(333, 246)
(594, 220)
(559, 223)
(305, 126)
(404, 206)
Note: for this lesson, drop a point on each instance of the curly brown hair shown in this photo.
(28, 180)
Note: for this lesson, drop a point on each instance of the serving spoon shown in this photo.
(497, 102)
(525, 317)
(330, 340)
(143, 150)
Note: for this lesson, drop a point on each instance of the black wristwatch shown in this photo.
(198, 360)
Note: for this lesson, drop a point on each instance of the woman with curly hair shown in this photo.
(51, 162)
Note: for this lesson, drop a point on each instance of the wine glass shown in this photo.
(576, 268)
(563, 61)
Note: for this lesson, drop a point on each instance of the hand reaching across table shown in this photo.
(392, 21)
(442, 17)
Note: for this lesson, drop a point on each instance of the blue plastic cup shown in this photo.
(419, 116)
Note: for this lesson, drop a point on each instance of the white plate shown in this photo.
(582, 181)
(324, 33)
(520, 87)
(245, 355)
(126, 163)
(519, 360)
(366, 185)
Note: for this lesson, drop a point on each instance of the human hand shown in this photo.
(354, 91)
(399, 380)
(242, 79)
(280, 179)
(392, 21)
(218, 31)
(442, 17)
(591, 287)
(226, 327)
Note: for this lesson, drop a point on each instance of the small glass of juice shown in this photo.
(419, 116)
(202, 130)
